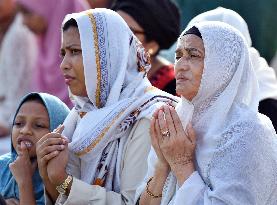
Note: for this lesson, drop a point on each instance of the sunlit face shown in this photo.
(189, 64)
(36, 23)
(31, 124)
(72, 62)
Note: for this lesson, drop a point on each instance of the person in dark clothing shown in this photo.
(156, 24)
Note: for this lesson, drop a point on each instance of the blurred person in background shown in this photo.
(156, 24)
(262, 26)
(17, 51)
(265, 74)
(44, 18)
(100, 3)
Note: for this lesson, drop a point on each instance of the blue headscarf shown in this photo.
(57, 112)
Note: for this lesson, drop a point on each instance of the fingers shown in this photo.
(44, 160)
(162, 122)
(50, 149)
(169, 121)
(23, 151)
(59, 129)
(46, 137)
(152, 127)
(52, 141)
(158, 132)
(155, 114)
(177, 122)
(191, 134)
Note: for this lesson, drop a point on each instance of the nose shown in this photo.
(65, 64)
(26, 129)
(181, 64)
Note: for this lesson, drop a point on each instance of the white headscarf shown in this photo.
(225, 116)
(119, 94)
(265, 74)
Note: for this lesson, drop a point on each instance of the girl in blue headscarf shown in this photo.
(37, 115)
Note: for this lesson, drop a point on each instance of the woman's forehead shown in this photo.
(190, 41)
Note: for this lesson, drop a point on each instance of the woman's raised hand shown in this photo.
(47, 148)
(154, 132)
(176, 145)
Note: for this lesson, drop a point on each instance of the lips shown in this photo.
(181, 77)
(68, 79)
(26, 141)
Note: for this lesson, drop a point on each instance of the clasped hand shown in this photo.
(173, 145)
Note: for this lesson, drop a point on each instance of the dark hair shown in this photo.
(2, 200)
(70, 23)
(34, 97)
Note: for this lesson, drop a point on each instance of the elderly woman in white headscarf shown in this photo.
(266, 75)
(105, 67)
(228, 153)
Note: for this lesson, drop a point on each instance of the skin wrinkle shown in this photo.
(189, 65)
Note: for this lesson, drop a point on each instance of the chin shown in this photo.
(180, 90)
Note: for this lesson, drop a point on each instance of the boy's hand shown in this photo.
(22, 168)
(12, 201)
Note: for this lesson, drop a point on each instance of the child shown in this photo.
(37, 115)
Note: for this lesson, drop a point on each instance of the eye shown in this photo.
(177, 57)
(75, 51)
(18, 123)
(62, 54)
(40, 125)
(193, 55)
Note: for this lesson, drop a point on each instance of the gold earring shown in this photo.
(150, 51)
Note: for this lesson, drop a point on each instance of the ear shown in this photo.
(152, 47)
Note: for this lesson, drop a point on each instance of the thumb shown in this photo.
(191, 134)
(59, 129)
(24, 150)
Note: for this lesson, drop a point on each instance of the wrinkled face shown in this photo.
(36, 23)
(189, 64)
(31, 124)
(72, 62)
(6, 9)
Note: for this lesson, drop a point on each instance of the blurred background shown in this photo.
(260, 15)
(30, 40)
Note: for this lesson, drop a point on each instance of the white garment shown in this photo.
(17, 57)
(273, 62)
(266, 75)
(236, 152)
(119, 94)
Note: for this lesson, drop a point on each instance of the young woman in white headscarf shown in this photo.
(105, 67)
(266, 75)
(228, 153)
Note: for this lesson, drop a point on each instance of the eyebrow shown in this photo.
(71, 45)
(36, 117)
(189, 50)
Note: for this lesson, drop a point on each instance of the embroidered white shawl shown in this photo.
(119, 94)
(236, 153)
(266, 75)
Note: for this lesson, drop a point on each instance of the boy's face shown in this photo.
(31, 124)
